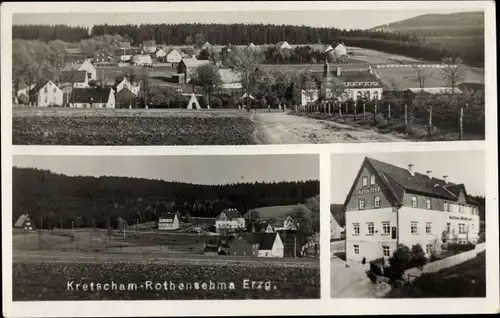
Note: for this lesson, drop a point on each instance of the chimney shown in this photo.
(339, 71)
(445, 178)
(410, 169)
(429, 174)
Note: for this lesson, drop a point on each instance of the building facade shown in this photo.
(169, 221)
(229, 219)
(389, 205)
(90, 69)
(47, 94)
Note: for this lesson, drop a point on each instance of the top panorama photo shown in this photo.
(321, 77)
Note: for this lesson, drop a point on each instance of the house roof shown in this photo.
(281, 43)
(168, 217)
(20, 221)
(193, 63)
(267, 240)
(356, 76)
(232, 213)
(86, 95)
(40, 85)
(149, 43)
(399, 180)
(73, 76)
(228, 76)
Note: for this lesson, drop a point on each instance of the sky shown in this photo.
(465, 167)
(343, 19)
(201, 169)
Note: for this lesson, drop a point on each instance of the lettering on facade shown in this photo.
(368, 190)
(461, 218)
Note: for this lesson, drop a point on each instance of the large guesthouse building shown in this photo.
(388, 205)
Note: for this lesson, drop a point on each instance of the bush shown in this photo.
(399, 261)
(417, 258)
(457, 247)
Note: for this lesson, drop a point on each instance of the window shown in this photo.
(386, 250)
(372, 179)
(46, 89)
(428, 204)
(367, 94)
(448, 227)
(428, 227)
(461, 208)
(89, 76)
(371, 228)
(356, 249)
(55, 90)
(461, 228)
(377, 202)
(414, 227)
(446, 207)
(386, 228)
(359, 95)
(364, 181)
(361, 203)
(356, 228)
(414, 202)
(375, 95)
(428, 249)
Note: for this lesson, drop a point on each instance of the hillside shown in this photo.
(59, 198)
(431, 25)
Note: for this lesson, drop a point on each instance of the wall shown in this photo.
(370, 246)
(447, 262)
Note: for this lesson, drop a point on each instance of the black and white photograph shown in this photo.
(165, 227)
(408, 225)
(248, 77)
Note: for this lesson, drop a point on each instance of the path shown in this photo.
(283, 128)
(351, 282)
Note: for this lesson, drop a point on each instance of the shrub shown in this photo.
(399, 261)
(418, 258)
(457, 247)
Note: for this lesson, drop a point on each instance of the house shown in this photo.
(24, 222)
(340, 48)
(142, 59)
(160, 54)
(101, 56)
(271, 245)
(187, 66)
(74, 79)
(388, 205)
(98, 97)
(337, 222)
(193, 102)
(229, 219)
(169, 221)
(149, 47)
(246, 244)
(173, 57)
(352, 85)
(251, 46)
(283, 45)
(328, 48)
(47, 94)
(230, 79)
(90, 69)
(135, 87)
(125, 99)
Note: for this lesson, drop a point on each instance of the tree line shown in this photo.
(53, 199)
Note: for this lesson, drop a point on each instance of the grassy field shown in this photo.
(465, 280)
(131, 127)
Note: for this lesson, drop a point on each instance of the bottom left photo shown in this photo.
(165, 227)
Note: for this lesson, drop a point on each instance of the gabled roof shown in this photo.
(280, 43)
(40, 85)
(149, 43)
(73, 76)
(20, 221)
(193, 63)
(232, 213)
(267, 240)
(399, 180)
(168, 217)
(351, 76)
(87, 95)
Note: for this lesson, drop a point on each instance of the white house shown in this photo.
(149, 47)
(388, 205)
(271, 245)
(229, 219)
(98, 97)
(174, 56)
(125, 83)
(283, 45)
(90, 69)
(142, 59)
(47, 94)
(169, 221)
(340, 48)
(24, 222)
(160, 54)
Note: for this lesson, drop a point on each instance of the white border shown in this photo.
(323, 306)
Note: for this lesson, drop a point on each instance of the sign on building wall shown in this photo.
(368, 190)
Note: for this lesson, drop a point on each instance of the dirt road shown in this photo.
(283, 128)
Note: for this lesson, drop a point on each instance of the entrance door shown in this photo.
(193, 105)
(393, 233)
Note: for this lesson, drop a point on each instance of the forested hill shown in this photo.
(51, 196)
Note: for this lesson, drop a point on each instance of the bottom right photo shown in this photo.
(407, 225)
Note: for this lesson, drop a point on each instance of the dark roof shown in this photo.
(169, 217)
(149, 43)
(398, 180)
(351, 76)
(39, 85)
(86, 95)
(266, 241)
(232, 213)
(73, 76)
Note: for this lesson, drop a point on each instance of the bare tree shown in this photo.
(452, 70)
